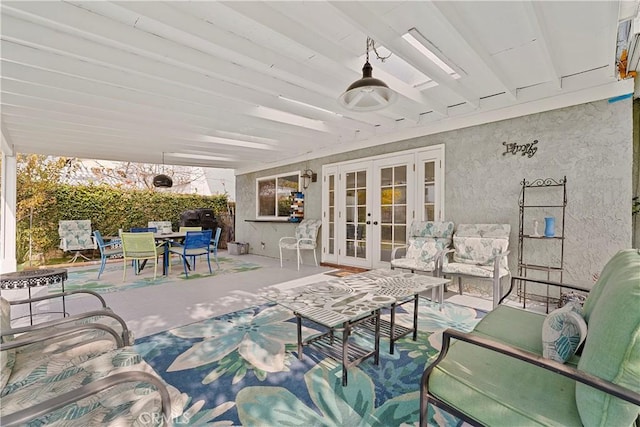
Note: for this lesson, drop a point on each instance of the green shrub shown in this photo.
(108, 208)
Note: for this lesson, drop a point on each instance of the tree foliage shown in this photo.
(140, 175)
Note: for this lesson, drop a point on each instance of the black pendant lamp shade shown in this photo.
(368, 93)
(162, 180)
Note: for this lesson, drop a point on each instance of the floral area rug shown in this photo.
(111, 278)
(242, 369)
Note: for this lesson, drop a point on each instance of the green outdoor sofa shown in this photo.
(497, 375)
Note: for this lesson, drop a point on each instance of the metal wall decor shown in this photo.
(524, 149)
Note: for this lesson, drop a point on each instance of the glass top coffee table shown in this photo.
(338, 308)
(404, 287)
(356, 300)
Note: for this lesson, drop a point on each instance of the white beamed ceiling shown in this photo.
(129, 81)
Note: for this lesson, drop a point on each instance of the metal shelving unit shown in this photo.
(538, 255)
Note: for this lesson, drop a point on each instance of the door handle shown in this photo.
(368, 222)
(375, 222)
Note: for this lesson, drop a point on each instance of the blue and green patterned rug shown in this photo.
(111, 278)
(242, 369)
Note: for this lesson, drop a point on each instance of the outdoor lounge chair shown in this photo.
(75, 236)
(480, 251)
(427, 240)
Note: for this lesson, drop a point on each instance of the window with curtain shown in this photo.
(274, 195)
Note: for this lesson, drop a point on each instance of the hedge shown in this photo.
(109, 209)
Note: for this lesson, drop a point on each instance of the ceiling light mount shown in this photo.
(368, 93)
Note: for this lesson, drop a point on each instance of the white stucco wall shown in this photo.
(590, 143)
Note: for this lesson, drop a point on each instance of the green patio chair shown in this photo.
(140, 247)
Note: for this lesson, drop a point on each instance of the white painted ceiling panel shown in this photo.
(251, 84)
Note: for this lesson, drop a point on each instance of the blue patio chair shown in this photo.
(107, 249)
(196, 243)
(214, 245)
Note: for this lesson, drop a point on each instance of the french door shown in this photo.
(393, 205)
(368, 205)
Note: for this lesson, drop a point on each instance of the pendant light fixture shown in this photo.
(368, 93)
(162, 180)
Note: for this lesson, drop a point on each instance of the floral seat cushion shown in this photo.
(132, 403)
(427, 240)
(26, 364)
(479, 250)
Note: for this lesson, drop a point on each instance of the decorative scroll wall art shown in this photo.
(524, 149)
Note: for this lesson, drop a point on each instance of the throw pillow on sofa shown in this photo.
(563, 331)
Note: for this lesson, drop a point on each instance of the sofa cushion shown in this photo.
(432, 229)
(7, 362)
(563, 330)
(473, 379)
(52, 355)
(500, 324)
(472, 269)
(479, 250)
(612, 348)
(125, 404)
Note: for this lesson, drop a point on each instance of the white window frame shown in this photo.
(272, 177)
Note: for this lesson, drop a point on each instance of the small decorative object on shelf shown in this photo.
(296, 214)
(549, 226)
(535, 228)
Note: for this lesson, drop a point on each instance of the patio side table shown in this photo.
(30, 278)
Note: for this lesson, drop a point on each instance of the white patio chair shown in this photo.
(305, 239)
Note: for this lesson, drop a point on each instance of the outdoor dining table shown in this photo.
(167, 238)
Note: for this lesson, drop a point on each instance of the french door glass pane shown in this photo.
(356, 213)
(400, 175)
(430, 171)
(400, 214)
(393, 209)
(386, 216)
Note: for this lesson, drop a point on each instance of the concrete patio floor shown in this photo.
(174, 302)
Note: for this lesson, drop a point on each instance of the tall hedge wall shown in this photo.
(109, 209)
